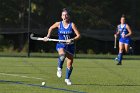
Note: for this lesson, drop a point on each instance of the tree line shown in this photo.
(87, 14)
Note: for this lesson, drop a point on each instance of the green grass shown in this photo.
(97, 74)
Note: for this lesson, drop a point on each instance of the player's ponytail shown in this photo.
(123, 15)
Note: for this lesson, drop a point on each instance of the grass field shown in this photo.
(98, 74)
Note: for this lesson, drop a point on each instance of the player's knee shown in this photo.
(126, 51)
(70, 67)
(62, 57)
(121, 50)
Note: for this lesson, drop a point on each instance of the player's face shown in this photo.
(65, 16)
(122, 20)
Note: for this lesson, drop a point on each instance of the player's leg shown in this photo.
(61, 58)
(69, 56)
(120, 54)
(126, 45)
(126, 48)
(69, 68)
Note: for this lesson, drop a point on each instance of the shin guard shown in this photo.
(68, 72)
(61, 59)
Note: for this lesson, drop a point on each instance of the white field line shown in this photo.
(15, 75)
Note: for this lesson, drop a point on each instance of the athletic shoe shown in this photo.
(67, 81)
(119, 63)
(59, 72)
(116, 59)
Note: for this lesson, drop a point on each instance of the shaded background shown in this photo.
(96, 20)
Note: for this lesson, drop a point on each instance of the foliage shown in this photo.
(86, 13)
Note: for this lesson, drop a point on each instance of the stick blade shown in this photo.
(31, 36)
(36, 38)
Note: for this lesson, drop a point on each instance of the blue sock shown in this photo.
(120, 57)
(61, 59)
(68, 72)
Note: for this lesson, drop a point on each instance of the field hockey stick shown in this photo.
(115, 42)
(42, 39)
(115, 38)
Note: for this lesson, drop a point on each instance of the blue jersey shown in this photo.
(123, 31)
(65, 33)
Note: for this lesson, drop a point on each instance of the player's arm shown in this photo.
(129, 31)
(76, 31)
(55, 25)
